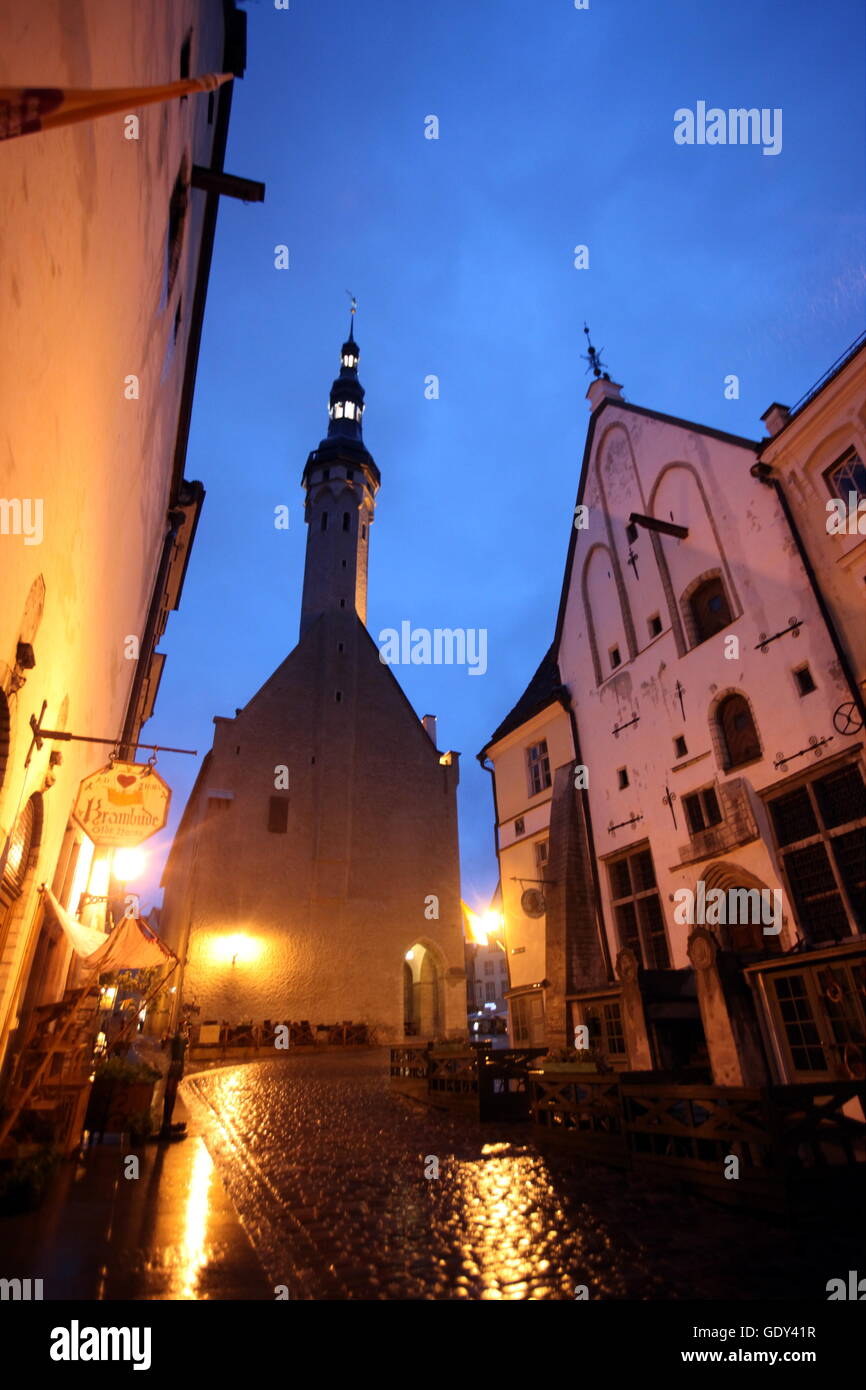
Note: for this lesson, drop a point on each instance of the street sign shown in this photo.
(122, 804)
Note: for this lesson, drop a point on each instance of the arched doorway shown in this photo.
(423, 1005)
(744, 934)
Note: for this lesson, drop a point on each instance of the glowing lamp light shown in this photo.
(109, 994)
(482, 925)
(237, 949)
(128, 864)
(410, 955)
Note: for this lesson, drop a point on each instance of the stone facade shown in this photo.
(703, 674)
(106, 250)
(316, 867)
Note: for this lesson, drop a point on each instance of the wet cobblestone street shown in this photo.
(326, 1170)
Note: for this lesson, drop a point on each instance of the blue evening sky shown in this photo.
(556, 129)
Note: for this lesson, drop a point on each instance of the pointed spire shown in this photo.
(344, 439)
(346, 402)
(352, 312)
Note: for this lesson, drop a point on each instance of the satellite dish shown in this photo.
(532, 902)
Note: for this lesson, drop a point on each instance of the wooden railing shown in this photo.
(788, 1141)
(492, 1083)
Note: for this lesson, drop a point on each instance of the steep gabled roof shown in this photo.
(595, 418)
(542, 690)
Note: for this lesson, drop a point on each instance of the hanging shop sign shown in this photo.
(122, 804)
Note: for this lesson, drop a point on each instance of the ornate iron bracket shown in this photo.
(814, 744)
(634, 820)
(794, 625)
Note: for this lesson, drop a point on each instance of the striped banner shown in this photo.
(25, 110)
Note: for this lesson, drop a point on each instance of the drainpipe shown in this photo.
(127, 746)
(764, 474)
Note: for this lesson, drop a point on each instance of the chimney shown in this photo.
(776, 418)
(603, 389)
(429, 722)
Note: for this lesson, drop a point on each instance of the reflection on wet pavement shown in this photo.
(327, 1170)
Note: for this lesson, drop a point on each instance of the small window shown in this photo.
(739, 736)
(324, 521)
(622, 777)
(519, 827)
(363, 533)
(218, 803)
(847, 476)
(538, 763)
(709, 609)
(177, 211)
(702, 810)
(342, 603)
(655, 625)
(805, 683)
(680, 746)
(185, 51)
(615, 658)
(338, 696)
(278, 815)
(488, 967)
(346, 521)
(490, 992)
(541, 853)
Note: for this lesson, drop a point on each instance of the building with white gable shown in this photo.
(705, 858)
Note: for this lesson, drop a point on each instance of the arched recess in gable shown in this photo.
(621, 493)
(603, 609)
(678, 494)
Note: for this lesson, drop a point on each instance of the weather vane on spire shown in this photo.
(353, 311)
(593, 357)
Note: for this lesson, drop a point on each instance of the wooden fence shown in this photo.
(778, 1147)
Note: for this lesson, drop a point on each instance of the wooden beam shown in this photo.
(229, 185)
(650, 523)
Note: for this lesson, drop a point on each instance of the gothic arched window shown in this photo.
(346, 521)
(710, 609)
(740, 740)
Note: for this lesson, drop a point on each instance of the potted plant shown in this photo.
(569, 1059)
(24, 1180)
(122, 1093)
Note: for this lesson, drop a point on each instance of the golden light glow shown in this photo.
(129, 864)
(236, 949)
(99, 870)
(481, 925)
(108, 994)
(82, 872)
(410, 955)
(194, 1252)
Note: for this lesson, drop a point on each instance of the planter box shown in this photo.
(569, 1067)
(113, 1104)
